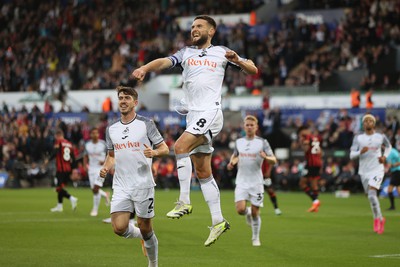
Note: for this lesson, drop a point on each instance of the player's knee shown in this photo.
(119, 229)
(179, 148)
(372, 194)
(271, 193)
(241, 211)
(202, 173)
(95, 190)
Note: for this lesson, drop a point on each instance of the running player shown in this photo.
(367, 147)
(130, 144)
(312, 173)
(267, 173)
(204, 68)
(95, 154)
(64, 159)
(249, 154)
(393, 161)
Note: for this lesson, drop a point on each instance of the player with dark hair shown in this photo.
(367, 147)
(95, 154)
(130, 143)
(393, 162)
(63, 153)
(204, 67)
(312, 172)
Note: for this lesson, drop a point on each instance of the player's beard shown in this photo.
(126, 111)
(200, 41)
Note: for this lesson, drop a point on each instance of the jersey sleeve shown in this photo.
(387, 145)
(355, 148)
(109, 143)
(231, 64)
(235, 150)
(152, 133)
(267, 148)
(85, 152)
(177, 57)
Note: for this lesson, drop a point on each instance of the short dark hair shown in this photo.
(128, 91)
(209, 19)
(59, 132)
(94, 129)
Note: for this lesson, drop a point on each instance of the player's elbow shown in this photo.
(252, 71)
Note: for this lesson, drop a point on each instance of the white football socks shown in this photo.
(374, 203)
(96, 201)
(211, 195)
(184, 167)
(132, 232)
(102, 193)
(256, 227)
(151, 246)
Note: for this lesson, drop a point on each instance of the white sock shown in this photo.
(132, 232)
(72, 198)
(256, 227)
(151, 246)
(184, 167)
(60, 205)
(374, 203)
(96, 201)
(247, 211)
(211, 195)
(102, 193)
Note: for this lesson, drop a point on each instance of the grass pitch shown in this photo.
(340, 234)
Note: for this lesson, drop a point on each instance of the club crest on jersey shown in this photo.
(203, 53)
(126, 131)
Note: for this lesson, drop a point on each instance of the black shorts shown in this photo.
(313, 172)
(62, 178)
(395, 178)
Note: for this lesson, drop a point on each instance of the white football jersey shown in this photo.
(249, 166)
(96, 153)
(203, 74)
(132, 168)
(369, 163)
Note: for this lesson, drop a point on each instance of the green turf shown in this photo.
(339, 235)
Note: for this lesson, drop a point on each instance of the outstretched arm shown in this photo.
(155, 65)
(246, 65)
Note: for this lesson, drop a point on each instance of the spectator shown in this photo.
(107, 105)
(355, 98)
(369, 104)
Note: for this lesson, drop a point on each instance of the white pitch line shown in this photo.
(395, 256)
(43, 220)
(23, 212)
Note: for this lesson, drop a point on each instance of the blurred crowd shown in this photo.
(27, 138)
(56, 46)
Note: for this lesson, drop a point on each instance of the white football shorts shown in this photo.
(140, 200)
(92, 175)
(207, 123)
(254, 194)
(373, 180)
